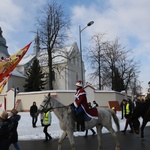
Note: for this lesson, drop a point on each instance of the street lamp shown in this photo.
(80, 31)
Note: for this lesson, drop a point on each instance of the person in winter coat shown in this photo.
(127, 111)
(80, 103)
(14, 117)
(81, 107)
(4, 131)
(46, 123)
(33, 114)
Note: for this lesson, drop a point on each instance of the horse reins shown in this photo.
(45, 105)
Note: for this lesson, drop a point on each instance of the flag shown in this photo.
(9, 63)
(3, 83)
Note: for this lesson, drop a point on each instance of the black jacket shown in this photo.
(14, 124)
(33, 110)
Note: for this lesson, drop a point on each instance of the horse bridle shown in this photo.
(48, 101)
(46, 104)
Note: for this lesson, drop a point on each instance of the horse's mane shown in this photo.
(55, 101)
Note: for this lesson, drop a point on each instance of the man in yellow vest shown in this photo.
(46, 123)
(127, 111)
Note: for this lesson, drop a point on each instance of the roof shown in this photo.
(26, 59)
(18, 74)
(60, 55)
(89, 86)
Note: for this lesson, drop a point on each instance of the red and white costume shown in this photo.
(81, 101)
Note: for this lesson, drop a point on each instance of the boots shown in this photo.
(83, 126)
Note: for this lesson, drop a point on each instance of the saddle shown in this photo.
(74, 116)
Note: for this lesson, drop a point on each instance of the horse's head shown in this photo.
(46, 104)
(135, 125)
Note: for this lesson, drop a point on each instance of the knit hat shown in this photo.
(4, 115)
(14, 111)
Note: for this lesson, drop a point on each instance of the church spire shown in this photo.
(36, 44)
(3, 47)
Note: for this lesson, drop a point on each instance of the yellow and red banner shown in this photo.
(7, 65)
(3, 83)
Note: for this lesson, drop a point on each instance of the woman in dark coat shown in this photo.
(14, 117)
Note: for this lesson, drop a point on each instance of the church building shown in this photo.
(66, 65)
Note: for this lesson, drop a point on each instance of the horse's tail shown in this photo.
(116, 120)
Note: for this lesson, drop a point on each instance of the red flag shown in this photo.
(9, 64)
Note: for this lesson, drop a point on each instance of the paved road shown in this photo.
(127, 142)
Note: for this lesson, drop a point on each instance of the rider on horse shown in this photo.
(81, 107)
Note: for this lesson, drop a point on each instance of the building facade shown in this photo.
(66, 65)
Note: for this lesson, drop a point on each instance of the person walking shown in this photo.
(14, 117)
(127, 111)
(4, 131)
(46, 123)
(33, 114)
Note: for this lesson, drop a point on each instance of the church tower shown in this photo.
(36, 44)
(3, 47)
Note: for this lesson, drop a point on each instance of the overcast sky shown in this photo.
(127, 19)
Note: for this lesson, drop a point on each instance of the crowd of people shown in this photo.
(129, 106)
(9, 121)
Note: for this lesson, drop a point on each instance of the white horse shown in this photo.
(67, 123)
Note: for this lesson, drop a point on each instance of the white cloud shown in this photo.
(126, 19)
(17, 22)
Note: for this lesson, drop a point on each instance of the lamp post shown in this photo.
(80, 31)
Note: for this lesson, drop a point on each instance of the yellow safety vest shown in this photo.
(45, 119)
(126, 109)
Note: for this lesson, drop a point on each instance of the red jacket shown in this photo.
(81, 100)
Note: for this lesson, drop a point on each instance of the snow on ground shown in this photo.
(27, 132)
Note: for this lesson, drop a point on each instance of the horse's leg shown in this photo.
(142, 129)
(113, 133)
(99, 136)
(71, 139)
(61, 139)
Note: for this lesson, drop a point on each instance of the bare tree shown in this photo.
(52, 25)
(118, 57)
(110, 62)
(95, 55)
